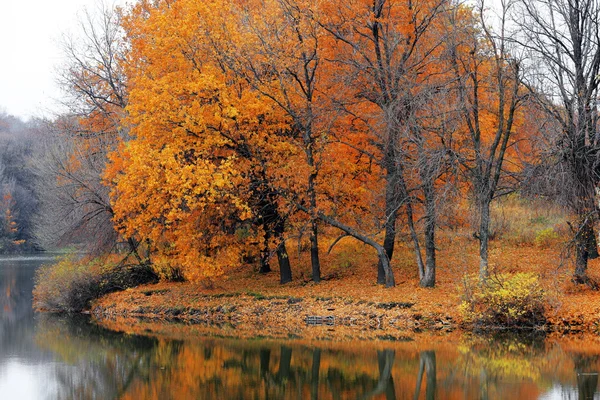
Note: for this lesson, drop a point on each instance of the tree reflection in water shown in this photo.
(587, 375)
(427, 365)
(111, 365)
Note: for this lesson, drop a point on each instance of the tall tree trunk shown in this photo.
(273, 224)
(391, 215)
(585, 239)
(429, 276)
(312, 198)
(586, 249)
(395, 194)
(265, 253)
(285, 270)
(427, 176)
(484, 238)
(314, 252)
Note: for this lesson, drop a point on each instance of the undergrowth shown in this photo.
(510, 301)
(71, 284)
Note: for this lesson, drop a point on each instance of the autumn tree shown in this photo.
(488, 95)
(279, 54)
(192, 177)
(395, 52)
(76, 201)
(563, 47)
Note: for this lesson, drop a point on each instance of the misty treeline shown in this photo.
(203, 135)
(19, 200)
(40, 203)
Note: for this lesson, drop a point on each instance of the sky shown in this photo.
(30, 52)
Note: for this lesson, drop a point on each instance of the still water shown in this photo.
(50, 357)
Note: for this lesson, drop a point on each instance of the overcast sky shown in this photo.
(30, 35)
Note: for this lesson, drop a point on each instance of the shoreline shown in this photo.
(159, 308)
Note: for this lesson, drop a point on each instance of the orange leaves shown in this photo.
(198, 136)
(238, 106)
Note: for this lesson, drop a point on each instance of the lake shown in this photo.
(58, 357)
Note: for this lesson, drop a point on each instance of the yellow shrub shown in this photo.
(506, 300)
(72, 283)
(545, 237)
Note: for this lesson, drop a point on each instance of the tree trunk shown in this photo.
(428, 279)
(312, 198)
(285, 269)
(314, 252)
(585, 238)
(415, 239)
(484, 239)
(383, 258)
(586, 248)
(273, 225)
(391, 214)
(265, 254)
(388, 244)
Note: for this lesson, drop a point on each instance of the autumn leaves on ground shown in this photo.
(244, 305)
(387, 164)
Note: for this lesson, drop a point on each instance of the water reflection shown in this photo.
(109, 365)
(52, 357)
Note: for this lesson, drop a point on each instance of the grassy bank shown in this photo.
(245, 304)
(528, 241)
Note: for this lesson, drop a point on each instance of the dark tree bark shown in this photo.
(273, 224)
(562, 40)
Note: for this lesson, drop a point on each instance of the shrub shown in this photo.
(544, 237)
(505, 301)
(70, 285)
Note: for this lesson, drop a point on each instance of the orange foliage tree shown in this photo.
(317, 113)
(391, 56)
(192, 179)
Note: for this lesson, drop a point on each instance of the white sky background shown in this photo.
(30, 52)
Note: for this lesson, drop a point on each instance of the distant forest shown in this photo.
(19, 200)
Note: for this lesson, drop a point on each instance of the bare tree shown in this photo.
(75, 204)
(76, 201)
(390, 54)
(93, 77)
(487, 82)
(562, 39)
